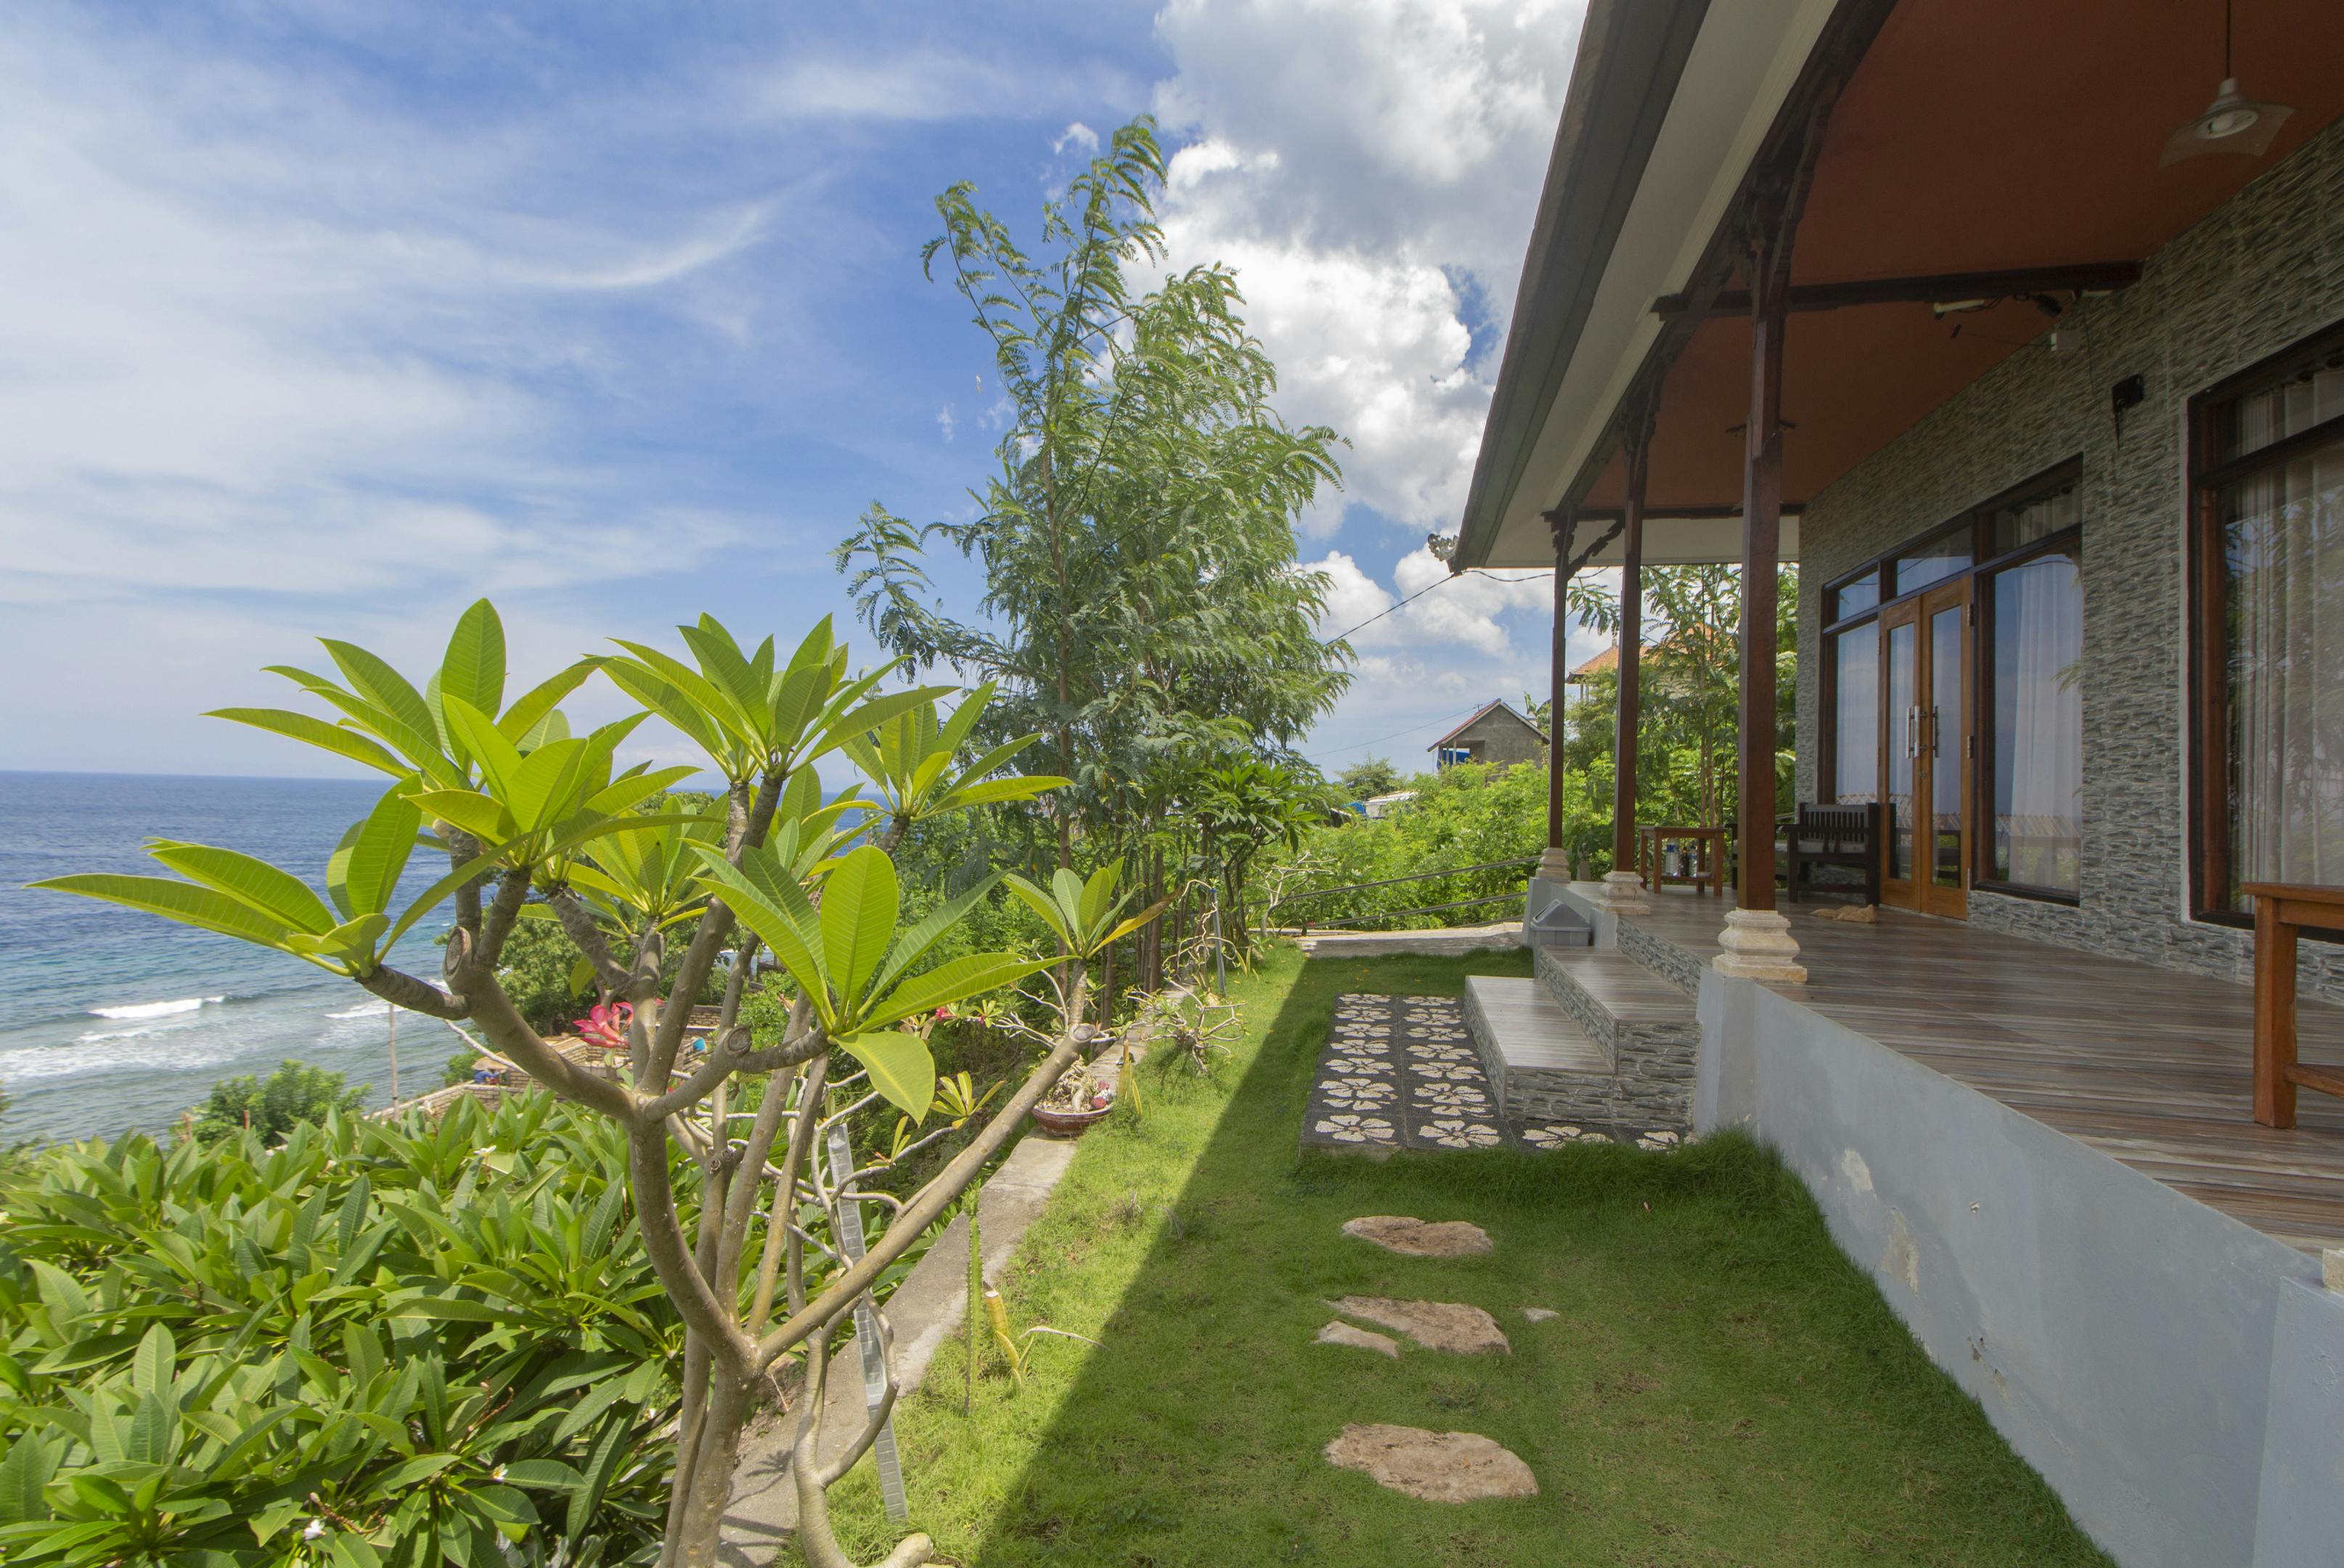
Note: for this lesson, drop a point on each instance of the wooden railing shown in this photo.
(2282, 910)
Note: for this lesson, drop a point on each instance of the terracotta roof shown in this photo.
(1603, 663)
(1483, 712)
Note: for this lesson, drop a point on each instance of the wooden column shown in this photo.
(1557, 864)
(1762, 530)
(1757, 942)
(1635, 438)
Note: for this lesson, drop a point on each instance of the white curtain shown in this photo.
(2038, 710)
(2285, 540)
(1857, 745)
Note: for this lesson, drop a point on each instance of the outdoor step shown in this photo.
(1644, 1026)
(1540, 1062)
(1615, 997)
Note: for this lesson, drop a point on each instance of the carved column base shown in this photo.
(1623, 894)
(1555, 865)
(1758, 946)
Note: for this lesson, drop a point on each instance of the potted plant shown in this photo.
(1082, 915)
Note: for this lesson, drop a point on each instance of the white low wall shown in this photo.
(2176, 1375)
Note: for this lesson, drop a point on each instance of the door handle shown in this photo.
(1913, 731)
(1934, 749)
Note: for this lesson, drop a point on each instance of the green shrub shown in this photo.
(368, 1345)
(294, 1094)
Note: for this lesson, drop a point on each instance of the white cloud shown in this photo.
(1434, 611)
(1352, 596)
(927, 83)
(1079, 137)
(1370, 168)
(945, 422)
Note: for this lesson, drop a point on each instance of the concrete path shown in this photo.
(923, 1312)
(1443, 942)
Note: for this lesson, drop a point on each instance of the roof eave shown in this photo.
(1632, 54)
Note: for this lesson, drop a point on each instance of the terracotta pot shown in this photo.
(1070, 1123)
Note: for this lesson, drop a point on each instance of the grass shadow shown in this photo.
(1718, 1383)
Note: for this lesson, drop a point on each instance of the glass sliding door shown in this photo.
(1945, 746)
(1901, 739)
(1924, 643)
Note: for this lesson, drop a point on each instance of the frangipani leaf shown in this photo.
(312, 731)
(1043, 905)
(277, 894)
(474, 665)
(533, 707)
(184, 902)
(859, 905)
(901, 1069)
(951, 981)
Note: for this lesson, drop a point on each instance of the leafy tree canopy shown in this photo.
(1143, 606)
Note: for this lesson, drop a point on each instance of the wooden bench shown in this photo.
(2282, 909)
(1846, 836)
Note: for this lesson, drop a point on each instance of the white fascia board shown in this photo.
(1680, 541)
(1741, 68)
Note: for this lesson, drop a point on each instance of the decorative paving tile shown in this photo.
(1400, 1072)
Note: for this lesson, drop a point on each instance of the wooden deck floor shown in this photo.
(2147, 1065)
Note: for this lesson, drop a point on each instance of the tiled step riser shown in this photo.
(1666, 959)
(1654, 1062)
(1534, 1094)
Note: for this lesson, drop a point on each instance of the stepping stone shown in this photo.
(1539, 1314)
(1437, 1466)
(1435, 1325)
(1420, 1237)
(1343, 1334)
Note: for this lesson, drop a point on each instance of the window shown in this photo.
(1853, 597)
(2267, 787)
(2023, 552)
(1934, 560)
(1855, 715)
(2035, 747)
(1451, 755)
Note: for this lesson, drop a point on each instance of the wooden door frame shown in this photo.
(1955, 596)
(1902, 892)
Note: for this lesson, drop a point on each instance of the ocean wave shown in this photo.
(157, 1009)
(364, 1010)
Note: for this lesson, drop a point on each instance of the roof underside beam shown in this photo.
(1937, 289)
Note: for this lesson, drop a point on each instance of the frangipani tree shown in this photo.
(534, 822)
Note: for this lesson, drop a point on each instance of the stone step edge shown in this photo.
(1657, 1022)
(1492, 1057)
(1516, 1088)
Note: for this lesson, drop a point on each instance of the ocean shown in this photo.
(111, 1019)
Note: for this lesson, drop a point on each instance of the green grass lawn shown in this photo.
(1721, 1387)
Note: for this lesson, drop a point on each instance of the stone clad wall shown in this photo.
(1653, 1063)
(2257, 275)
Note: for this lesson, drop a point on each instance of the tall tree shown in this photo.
(1143, 602)
(1691, 688)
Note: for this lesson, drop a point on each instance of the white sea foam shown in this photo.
(157, 1009)
(364, 1010)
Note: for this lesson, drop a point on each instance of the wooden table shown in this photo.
(2282, 909)
(1711, 848)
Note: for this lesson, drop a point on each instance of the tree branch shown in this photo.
(670, 1256)
(404, 990)
(923, 1211)
(585, 934)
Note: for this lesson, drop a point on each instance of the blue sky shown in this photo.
(327, 317)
